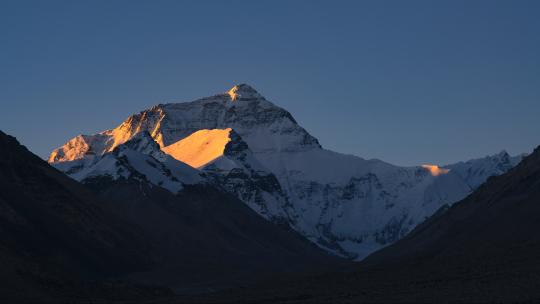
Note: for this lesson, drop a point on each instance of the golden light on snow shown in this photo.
(232, 93)
(75, 148)
(435, 170)
(200, 148)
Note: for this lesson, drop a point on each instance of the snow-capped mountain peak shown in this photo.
(257, 151)
(243, 92)
(265, 126)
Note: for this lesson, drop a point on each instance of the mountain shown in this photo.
(55, 234)
(142, 223)
(347, 205)
(205, 238)
(483, 249)
(492, 227)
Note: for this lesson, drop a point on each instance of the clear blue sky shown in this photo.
(408, 82)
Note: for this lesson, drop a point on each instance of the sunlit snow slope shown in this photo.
(200, 148)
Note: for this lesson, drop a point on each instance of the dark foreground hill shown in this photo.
(54, 235)
(206, 239)
(484, 249)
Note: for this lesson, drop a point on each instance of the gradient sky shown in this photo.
(407, 82)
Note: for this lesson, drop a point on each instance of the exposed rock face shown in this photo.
(346, 204)
(239, 172)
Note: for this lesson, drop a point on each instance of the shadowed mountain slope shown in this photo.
(207, 239)
(53, 232)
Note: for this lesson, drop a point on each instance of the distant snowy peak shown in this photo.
(243, 92)
(263, 125)
(476, 171)
(139, 158)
